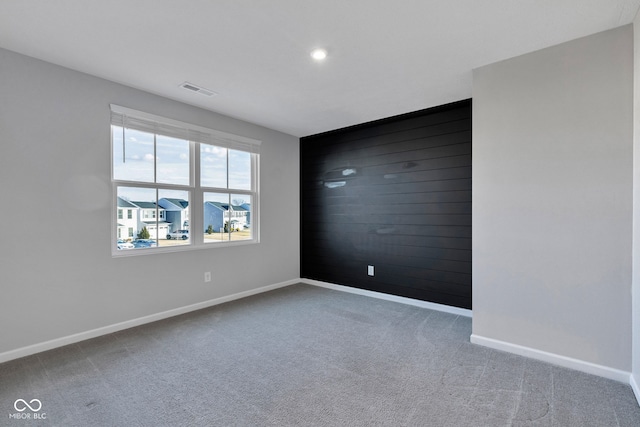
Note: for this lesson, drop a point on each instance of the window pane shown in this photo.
(213, 166)
(132, 156)
(227, 217)
(174, 213)
(172, 160)
(239, 170)
(143, 224)
(241, 222)
(216, 217)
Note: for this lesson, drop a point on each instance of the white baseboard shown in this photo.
(556, 359)
(634, 386)
(71, 339)
(394, 298)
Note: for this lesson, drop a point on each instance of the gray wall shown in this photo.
(636, 208)
(552, 199)
(57, 274)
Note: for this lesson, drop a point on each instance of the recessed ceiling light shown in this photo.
(319, 54)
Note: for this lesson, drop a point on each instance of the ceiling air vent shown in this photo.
(195, 88)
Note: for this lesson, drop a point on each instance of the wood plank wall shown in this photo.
(395, 194)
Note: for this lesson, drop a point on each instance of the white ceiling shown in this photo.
(385, 57)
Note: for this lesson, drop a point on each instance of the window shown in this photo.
(183, 186)
(225, 176)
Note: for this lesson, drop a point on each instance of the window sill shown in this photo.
(124, 253)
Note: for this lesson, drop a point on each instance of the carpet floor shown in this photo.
(303, 356)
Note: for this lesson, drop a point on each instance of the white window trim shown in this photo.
(196, 135)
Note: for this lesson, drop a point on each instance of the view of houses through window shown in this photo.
(227, 216)
(152, 217)
(157, 181)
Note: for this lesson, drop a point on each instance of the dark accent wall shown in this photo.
(395, 194)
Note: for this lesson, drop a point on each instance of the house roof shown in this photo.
(180, 203)
(219, 205)
(145, 205)
(122, 203)
(225, 206)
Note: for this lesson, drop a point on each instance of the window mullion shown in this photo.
(196, 220)
(157, 214)
(123, 145)
(228, 210)
(155, 159)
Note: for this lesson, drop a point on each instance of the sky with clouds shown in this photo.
(135, 157)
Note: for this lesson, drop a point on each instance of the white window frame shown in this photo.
(196, 135)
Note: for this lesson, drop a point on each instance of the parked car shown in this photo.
(144, 243)
(123, 244)
(178, 234)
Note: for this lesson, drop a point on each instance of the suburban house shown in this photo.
(217, 214)
(133, 216)
(172, 214)
(128, 219)
(152, 216)
(176, 213)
